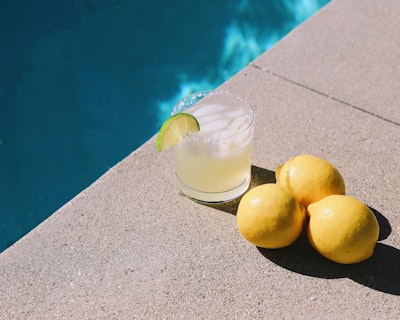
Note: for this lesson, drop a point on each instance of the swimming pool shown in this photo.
(83, 83)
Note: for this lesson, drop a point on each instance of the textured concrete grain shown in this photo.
(131, 247)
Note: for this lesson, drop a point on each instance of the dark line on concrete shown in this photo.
(366, 111)
(325, 95)
(300, 85)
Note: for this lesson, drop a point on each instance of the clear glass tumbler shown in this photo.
(214, 164)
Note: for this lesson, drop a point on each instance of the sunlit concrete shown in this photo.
(130, 247)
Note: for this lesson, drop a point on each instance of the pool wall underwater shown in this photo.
(84, 83)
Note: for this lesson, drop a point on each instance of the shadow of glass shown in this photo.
(258, 176)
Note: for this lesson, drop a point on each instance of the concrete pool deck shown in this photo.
(130, 247)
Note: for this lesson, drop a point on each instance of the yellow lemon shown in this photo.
(310, 178)
(269, 216)
(342, 229)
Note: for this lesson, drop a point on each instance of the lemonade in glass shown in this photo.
(214, 164)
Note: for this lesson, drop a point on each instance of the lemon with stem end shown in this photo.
(310, 178)
(269, 216)
(342, 229)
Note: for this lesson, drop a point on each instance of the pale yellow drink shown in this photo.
(214, 164)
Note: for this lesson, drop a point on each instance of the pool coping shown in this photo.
(130, 246)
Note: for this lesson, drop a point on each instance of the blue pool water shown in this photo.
(85, 82)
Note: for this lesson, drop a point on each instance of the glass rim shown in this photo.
(198, 96)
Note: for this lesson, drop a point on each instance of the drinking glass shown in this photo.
(214, 164)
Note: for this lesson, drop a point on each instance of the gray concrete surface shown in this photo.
(130, 247)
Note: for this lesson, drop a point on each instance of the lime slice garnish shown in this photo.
(174, 128)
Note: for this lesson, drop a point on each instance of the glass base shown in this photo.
(214, 197)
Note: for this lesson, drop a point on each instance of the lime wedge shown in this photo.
(174, 128)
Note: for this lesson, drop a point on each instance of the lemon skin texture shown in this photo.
(269, 216)
(342, 229)
(310, 178)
